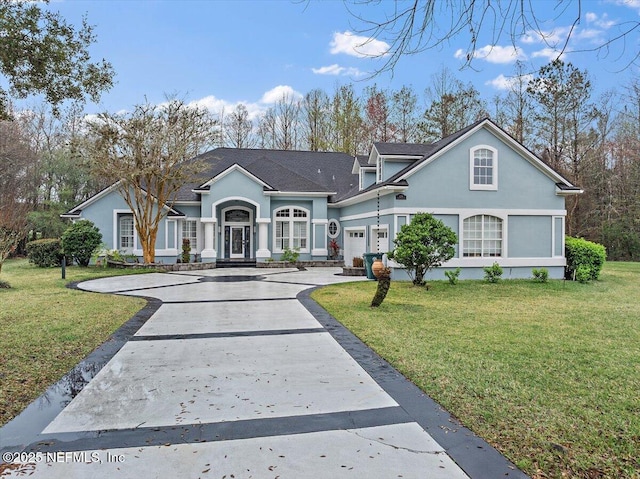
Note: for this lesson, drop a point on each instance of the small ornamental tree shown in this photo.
(80, 240)
(423, 244)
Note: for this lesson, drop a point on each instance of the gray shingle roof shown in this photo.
(302, 171)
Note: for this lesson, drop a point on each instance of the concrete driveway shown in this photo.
(238, 374)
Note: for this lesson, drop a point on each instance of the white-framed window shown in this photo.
(482, 236)
(333, 228)
(126, 232)
(291, 229)
(483, 168)
(190, 232)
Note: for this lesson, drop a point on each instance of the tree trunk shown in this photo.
(384, 282)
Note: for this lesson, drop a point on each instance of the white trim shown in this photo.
(396, 227)
(504, 253)
(291, 219)
(231, 169)
(234, 198)
(175, 233)
(320, 221)
(198, 233)
(522, 150)
(300, 193)
(116, 237)
(188, 203)
(263, 220)
(553, 236)
(94, 198)
(337, 233)
(494, 169)
(361, 197)
(455, 211)
(504, 262)
(319, 252)
(237, 224)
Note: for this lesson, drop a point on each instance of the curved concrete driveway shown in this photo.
(233, 376)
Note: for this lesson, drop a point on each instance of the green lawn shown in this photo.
(547, 373)
(47, 328)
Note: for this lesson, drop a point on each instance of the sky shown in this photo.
(222, 53)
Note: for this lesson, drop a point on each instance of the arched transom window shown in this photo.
(291, 229)
(482, 236)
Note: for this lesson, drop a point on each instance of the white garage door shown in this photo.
(355, 245)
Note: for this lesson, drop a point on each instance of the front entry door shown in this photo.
(237, 242)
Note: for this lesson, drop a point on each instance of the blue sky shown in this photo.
(220, 53)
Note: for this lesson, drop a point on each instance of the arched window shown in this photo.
(482, 236)
(483, 168)
(291, 229)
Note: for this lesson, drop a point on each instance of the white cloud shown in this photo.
(494, 54)
(218, 106)
(502, 82)
(552, 37)
(548, 53)
(281, 91)
(336, 69)
(358, 46)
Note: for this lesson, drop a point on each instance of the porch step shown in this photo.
(236, 263)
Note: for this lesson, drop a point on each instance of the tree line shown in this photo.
(593, 142)
(48, 160)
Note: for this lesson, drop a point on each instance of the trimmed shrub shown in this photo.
(186, 250)
(290, 255)
(453, 276)
(540, 275)
(80, 240)
(45, 253)
(582, 253)
(583, 274)
(492, 273)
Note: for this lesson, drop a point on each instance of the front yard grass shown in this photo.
(549, 374)
(46, 328)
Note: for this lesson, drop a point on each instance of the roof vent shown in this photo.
(318, 170)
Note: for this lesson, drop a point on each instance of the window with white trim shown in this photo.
(333, 228)
(190, 232)
(291, 229)
(482, 236)
(126, 232)
(483, 168)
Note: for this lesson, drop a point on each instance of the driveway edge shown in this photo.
(477, 458)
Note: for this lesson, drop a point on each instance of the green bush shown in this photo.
(423, 244)
(290, 255)
(453, 276)
(493, 273)
(80, 240)
(582, 253)
(186, 250)
(45, 253)
(540, 275)
(583, 274)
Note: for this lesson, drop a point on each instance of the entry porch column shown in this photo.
(209, 254)
(263, 238)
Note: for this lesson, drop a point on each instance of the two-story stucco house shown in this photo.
(505, 204)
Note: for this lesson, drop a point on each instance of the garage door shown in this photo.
(355, 245)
